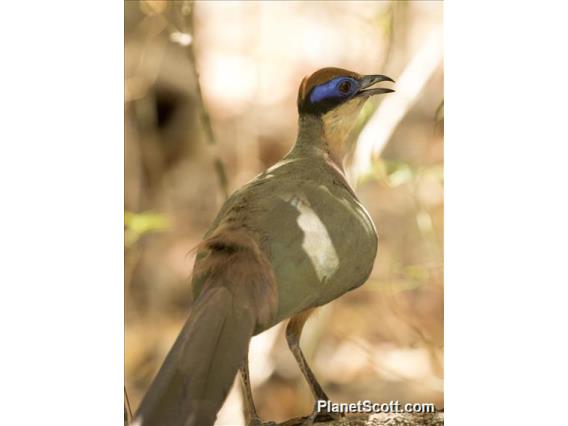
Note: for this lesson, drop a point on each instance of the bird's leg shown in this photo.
(251, 416)
(293, 333)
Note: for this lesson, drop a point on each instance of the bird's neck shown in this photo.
(314, 140)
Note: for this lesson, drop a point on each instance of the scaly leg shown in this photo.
(293, 333)
(251, 415)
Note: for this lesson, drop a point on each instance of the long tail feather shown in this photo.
(238, 296)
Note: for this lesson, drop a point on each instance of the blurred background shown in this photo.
(187, 145)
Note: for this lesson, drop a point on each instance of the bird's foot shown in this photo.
(321, 414)
(256, 421)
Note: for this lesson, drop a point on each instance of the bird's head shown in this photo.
(335, 96)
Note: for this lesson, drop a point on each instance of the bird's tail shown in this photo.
(238, 295)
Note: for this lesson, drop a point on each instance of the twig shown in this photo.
(127, 409)
(185, 38)
(187, 8)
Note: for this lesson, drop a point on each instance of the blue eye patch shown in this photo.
(331, 89)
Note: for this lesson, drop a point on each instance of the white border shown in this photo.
(61, 177)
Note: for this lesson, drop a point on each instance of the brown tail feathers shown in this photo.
(238, 296)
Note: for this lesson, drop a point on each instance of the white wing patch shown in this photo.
(317, 243)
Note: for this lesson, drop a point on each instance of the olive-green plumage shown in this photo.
(293, 239)
(309, 224)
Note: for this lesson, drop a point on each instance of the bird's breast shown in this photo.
(321, 243)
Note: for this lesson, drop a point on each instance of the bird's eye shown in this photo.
(345, 87)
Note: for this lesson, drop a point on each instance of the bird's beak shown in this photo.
(369, 80)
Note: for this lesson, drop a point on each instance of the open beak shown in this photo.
(369, 80)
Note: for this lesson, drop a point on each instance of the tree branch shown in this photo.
(380, 419)
(187, 9)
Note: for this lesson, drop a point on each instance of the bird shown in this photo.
(293, 239)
